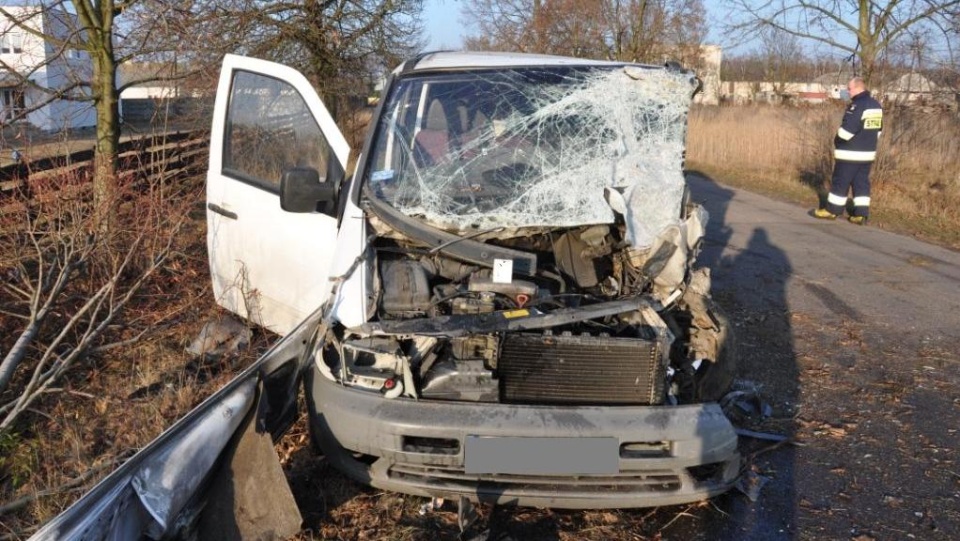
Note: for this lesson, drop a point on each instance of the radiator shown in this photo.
(580, 370)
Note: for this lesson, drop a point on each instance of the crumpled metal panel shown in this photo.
(144, 497)
(155, 491)
(171, 476)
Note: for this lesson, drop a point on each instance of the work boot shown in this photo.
(824, 214)
(859, 220)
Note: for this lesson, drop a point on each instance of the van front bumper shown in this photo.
(667, 454)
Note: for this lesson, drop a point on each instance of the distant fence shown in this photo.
(147, 109)
(154, 157)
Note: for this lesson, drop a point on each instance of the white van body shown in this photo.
(503, 295)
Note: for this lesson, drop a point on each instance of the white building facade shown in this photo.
(33, 70)
(710, 59)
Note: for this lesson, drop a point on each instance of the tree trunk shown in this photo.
(105, 154)
(17, 353)
(539, 27)
(868, 58)
(867, 38)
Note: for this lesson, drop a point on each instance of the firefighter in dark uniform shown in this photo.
(855, 150)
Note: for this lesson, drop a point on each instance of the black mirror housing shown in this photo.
(302, 190)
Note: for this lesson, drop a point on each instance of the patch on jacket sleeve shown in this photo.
(872, 119)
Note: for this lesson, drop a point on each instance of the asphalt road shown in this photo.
(852, 335)
(833, 268)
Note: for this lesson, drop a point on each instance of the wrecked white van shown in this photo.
(509, 306)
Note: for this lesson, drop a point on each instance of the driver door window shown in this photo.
(269, 129)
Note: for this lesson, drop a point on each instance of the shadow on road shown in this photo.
(750, 284)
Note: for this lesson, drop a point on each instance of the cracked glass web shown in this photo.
(546, 147)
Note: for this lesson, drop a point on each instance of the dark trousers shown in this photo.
(845, 174)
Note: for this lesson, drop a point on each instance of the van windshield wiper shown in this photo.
(463, 248)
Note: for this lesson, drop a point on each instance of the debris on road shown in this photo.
(760, 435)
(892, 501)
(433, 505)
(750, 483)
(744, 403)
(466, 514)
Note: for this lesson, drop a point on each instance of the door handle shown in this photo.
(222, 211)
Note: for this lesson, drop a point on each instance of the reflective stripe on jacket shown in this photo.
(856, 140)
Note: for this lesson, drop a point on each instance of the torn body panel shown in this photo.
(162, 491)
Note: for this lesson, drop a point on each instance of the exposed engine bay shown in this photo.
(531, 242)
(589, 321)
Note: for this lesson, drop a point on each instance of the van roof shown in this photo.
(468, 59)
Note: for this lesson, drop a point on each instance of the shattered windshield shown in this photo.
(552, 147)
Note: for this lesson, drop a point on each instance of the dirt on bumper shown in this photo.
(667, 454)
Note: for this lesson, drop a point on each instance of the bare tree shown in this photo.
(783, 58)
(68, 284)
(81, 45)
(630, 30)
(861, 28)
(339, 45)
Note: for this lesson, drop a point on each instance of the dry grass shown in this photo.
(116, 401)
(786, 152)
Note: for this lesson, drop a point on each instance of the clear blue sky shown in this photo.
(442, 24)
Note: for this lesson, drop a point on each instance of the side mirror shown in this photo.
(302, 190)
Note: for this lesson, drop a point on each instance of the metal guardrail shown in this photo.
(153, 157)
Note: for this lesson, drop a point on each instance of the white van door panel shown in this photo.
(268, 265)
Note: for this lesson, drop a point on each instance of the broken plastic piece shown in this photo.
(750, 483)
(761, 435)
(466, 513)
(744, 404)
(433, 505)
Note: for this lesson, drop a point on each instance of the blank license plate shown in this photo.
(542, 456)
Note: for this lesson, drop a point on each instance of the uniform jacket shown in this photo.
(856, 139)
